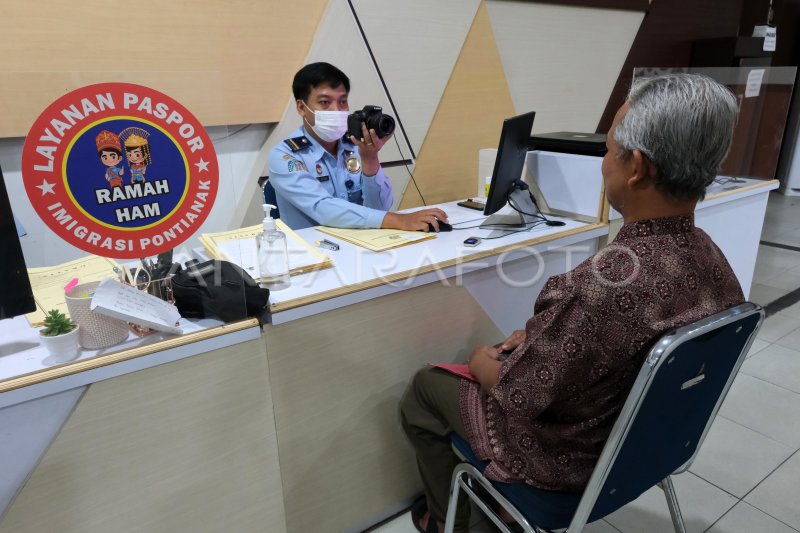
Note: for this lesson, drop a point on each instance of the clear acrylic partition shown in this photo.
(48, 255)
(764, 95)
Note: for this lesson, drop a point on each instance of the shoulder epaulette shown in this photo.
(296, 144)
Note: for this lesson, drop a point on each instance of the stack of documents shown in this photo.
(377, 240)
(48, 283)
(241, 248)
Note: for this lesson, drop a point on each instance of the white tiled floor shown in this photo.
(746, 478)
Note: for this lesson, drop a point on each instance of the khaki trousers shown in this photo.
(429, 412)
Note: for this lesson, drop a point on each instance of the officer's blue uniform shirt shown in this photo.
(315, 188)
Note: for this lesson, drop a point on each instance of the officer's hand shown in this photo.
(369, 144)
(416, 221)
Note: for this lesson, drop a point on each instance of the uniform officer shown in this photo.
(322, 177)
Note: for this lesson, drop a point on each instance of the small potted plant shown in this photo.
(60, 336)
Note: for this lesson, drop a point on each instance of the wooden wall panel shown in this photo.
(251, 47)
(469, 117)
(665, 40)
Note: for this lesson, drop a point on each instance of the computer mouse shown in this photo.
(443, 226)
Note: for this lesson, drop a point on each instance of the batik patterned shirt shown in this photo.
(546, 420)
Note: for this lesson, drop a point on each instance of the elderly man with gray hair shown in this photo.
(541, 416)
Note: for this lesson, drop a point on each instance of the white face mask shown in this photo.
(329, 125)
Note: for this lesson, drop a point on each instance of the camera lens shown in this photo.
(373, 118)
(384, 125)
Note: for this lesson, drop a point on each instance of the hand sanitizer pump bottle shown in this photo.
(273, 255)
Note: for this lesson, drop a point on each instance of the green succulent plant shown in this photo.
(56, 323)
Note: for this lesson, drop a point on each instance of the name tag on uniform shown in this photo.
(323, 178)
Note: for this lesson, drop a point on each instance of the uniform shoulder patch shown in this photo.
(293, 164)
(296, 144)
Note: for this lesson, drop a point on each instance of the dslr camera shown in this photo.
(374, 118)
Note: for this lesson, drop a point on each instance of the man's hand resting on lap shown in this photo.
(483, 363)
(516, 338)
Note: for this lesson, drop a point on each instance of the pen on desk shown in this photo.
(328, 245)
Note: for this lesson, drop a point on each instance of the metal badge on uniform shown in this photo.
(323, 178)
(319, 168)
(353, 164)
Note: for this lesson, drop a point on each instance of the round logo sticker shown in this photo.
(120, 170)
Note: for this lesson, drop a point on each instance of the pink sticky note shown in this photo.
(461, 371)
(69, 286)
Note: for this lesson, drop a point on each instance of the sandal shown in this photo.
(418, 510)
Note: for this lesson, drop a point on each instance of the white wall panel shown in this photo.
(238, 149)
(416, 44)
(562, 62)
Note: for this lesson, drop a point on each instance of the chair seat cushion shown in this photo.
(545, 508)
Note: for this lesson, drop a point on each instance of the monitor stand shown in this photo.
(521, 199)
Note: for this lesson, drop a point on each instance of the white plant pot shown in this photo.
(64, 347)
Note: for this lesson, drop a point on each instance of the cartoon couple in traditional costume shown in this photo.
(137, 151)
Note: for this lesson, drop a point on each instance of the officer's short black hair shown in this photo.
(315, 74)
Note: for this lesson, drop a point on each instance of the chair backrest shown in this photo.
(670, 408)
(270, 197)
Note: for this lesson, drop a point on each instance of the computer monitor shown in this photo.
(16, 296)
(507, 176)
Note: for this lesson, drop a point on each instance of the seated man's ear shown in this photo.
(641, 170)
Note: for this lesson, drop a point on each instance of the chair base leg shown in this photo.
(463, 477)
(672, 503)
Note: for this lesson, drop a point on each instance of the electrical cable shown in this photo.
(533, 225)
(410, 174)
(724, 180)
(380, 77)
(528, 225)
(538, 215)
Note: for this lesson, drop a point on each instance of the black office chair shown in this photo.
(269, 195)
(659, 431)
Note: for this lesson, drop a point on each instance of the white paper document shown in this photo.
(244, 252)
(124, 302)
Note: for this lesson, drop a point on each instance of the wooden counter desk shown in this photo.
(345, 342)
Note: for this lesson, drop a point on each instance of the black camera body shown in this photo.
(374, 118)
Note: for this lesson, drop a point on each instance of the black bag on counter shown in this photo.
(218, 289)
